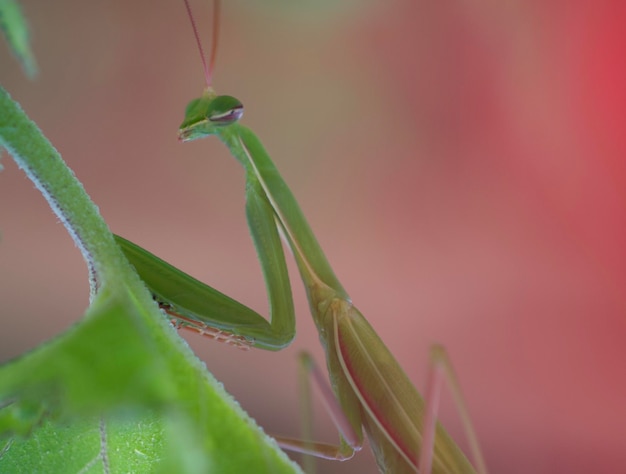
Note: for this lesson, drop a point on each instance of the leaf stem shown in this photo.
(65, 194)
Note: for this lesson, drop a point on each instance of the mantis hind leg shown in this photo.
(351, 441)
(440, 368)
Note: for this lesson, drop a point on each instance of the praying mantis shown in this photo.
(369, 390)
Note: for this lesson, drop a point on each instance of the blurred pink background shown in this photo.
(462, 163)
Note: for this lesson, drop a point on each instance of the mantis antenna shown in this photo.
(208, 67)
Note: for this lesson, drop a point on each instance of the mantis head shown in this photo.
(204, 116)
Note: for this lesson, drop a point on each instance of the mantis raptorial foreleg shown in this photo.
(369, 392)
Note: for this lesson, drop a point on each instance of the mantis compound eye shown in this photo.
(225, 110)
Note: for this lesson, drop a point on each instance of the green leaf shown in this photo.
(15, 29)
(123, 445)
(150, 392)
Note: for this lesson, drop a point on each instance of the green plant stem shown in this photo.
(44, 166)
